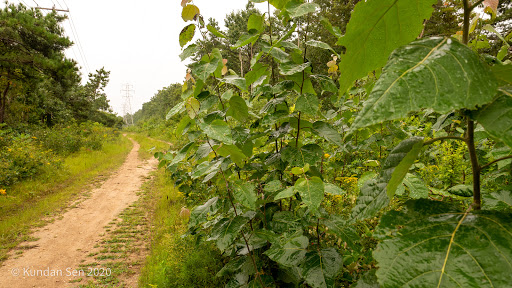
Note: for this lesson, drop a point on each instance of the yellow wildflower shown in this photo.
(3, 192)
(326, 155)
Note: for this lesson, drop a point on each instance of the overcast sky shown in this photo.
(136, 40)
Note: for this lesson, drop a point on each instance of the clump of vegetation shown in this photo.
(338, 155)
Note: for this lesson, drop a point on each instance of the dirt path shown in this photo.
(64, 244)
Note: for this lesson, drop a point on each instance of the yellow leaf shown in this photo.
(189, 12)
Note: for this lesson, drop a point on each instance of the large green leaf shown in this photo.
(373, 196)
(417, 188)
(326, 131)
(235, 80)
(226, 231)
(499, 200)
(297, 9)
(175, 110)
(496, 118)
(503, 73)
(289, 250)
(341, 228)
(291, 68)
(217, 130)
(193, 106)
(376, 28)
(308, 103)
(256, 22)
(321, 267)
(245, 194)
(311, 191)
(238, 108)
(214, 31)
(182, 153)
(233, 152)
(407, 152)
(437, 73)
(204, 69)
(200, 213)
(307, 154)
(189, 51)
(428, 244)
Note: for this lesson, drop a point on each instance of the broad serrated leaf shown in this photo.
(238, 108)
(217, 130)
(320, 267)
(328, 132)
(291, 68)
(341, 228)
(189, 12)
(182, 153)
(496, 118)
(192, 106)
(371, 199)
(455, 248)
(436, 73)
(175, 110)
(503, 73)
(288, 250)
(245, 194)
(333, 189)
(226, 231)
(411, 148)
(308, 103)
(373, 196)
(376, 28)
(286, 193)
(296, 9)
(235, 80)
(189, 51)
(417, 188)
(214, 31)
(321, 45)
(256, 22)
(245, 40)
(234, 153)
(499, 200)
(311, 191)
(307, 154)
(204, 69)
(200, 213)
(187, 34)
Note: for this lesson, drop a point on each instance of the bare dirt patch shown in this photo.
(55, 259)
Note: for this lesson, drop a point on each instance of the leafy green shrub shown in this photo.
(23, 157)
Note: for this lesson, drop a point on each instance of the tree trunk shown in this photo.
(3, 102)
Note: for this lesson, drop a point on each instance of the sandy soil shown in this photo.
(64, 244)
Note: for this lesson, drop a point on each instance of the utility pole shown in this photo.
(53, 9)
(127, 93)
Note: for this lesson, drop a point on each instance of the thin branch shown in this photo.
(497, 160)
(476, 4)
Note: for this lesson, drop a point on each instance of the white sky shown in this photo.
(137, 41)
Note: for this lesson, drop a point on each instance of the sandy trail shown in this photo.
(64, 244)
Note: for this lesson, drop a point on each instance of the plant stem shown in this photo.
(477, 202)
(470, 137)
(298, 133)
(497, 160)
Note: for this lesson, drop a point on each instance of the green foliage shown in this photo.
(268, 145)
(374, 31)
(421, 74)
(454, 247)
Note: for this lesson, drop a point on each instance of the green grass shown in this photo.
(175, 261)
(148, 146)
(34, 202)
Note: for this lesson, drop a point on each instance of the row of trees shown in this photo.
(38, 83)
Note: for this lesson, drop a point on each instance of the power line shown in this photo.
(126, 93)
(78, 42)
